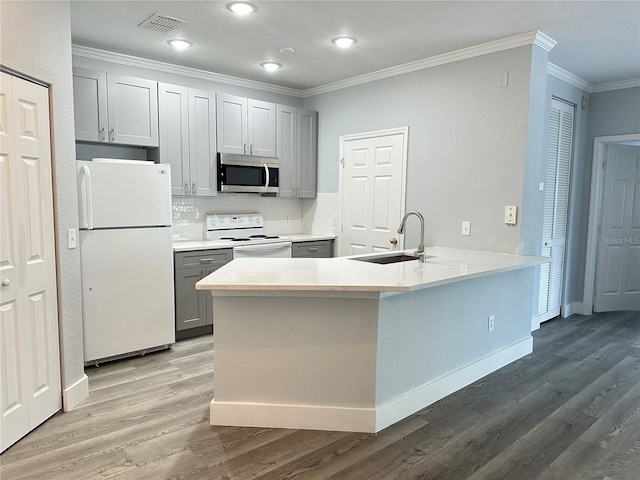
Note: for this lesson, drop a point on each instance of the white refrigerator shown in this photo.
(126, 257)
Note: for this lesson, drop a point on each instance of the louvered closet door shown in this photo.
(556, 203)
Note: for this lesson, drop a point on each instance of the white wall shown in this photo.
(35, 39)
(467, 142)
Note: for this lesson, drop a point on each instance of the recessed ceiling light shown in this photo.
(242, 8)
(344, 42)
(180, 44)
(270, 66)
(287, 50)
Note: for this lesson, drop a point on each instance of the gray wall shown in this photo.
(467, 141)
(36, 41)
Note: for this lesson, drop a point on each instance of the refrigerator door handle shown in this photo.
(88, 202)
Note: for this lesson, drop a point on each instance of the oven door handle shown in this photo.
(266, 171)
(263, 248)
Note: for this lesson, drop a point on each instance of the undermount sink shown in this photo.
(384, 259)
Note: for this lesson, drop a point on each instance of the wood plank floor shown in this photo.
(570, 410)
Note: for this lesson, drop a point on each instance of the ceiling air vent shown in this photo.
(161, 23)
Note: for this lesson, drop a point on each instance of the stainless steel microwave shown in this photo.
(248, 174)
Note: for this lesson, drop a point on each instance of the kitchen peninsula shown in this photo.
(343, 344)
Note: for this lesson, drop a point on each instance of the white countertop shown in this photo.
(192, 245)
(346, 274)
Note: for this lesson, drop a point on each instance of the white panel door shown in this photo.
(231, 124)
(202, 143)
(556, 203)
(372, 194)
(28, 301)
(261, 128)
(618, 258)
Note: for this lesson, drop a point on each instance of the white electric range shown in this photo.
(245, 233)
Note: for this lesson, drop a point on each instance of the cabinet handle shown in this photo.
(206, 260)
(244, 148)
(312, 249)
(102, 137)
(251, 149)
(113, 135)
(6, 282)
(193, 188)
(186, 189)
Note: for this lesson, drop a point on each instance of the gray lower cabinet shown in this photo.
(313, 249)
(194, 308)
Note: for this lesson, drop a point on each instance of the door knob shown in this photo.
(393, 241)
(6, 282)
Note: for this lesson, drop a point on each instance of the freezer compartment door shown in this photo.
(123, 193)
(127, 290)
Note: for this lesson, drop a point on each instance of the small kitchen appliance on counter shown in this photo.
(245, 234)
(126, 255)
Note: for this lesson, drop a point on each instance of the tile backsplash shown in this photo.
(282, 216)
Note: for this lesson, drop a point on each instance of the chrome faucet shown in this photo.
(420, 250)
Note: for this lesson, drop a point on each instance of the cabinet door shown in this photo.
(231, 124)
(191, 307)
(90, 105)
(262, 128)
(173, 121)
(202, 143)
(133, 111)
(307, 153)
(286, 146)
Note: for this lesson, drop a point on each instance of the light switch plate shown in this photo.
(510, 214)
(466, 228)
(72, 238)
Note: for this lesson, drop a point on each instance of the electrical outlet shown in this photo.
(72, 238)
(466, 228)
(490, 323)
(286, 217)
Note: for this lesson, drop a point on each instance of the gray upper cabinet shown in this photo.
(297, 150)
(188, 138)
(113, 108)
(246, 126)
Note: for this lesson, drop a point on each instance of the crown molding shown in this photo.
(605, 87)
(568, 77)
(529, 38)
(132, 61)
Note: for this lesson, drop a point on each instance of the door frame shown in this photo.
(595, 208)
(403, 187)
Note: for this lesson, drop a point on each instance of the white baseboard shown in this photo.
(402, 407)
(307, 417)
(369, 420)
(74, 394)
(573, 308)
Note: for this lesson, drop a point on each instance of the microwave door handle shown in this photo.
(266, 171)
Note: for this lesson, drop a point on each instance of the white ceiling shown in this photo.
(598, 41)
